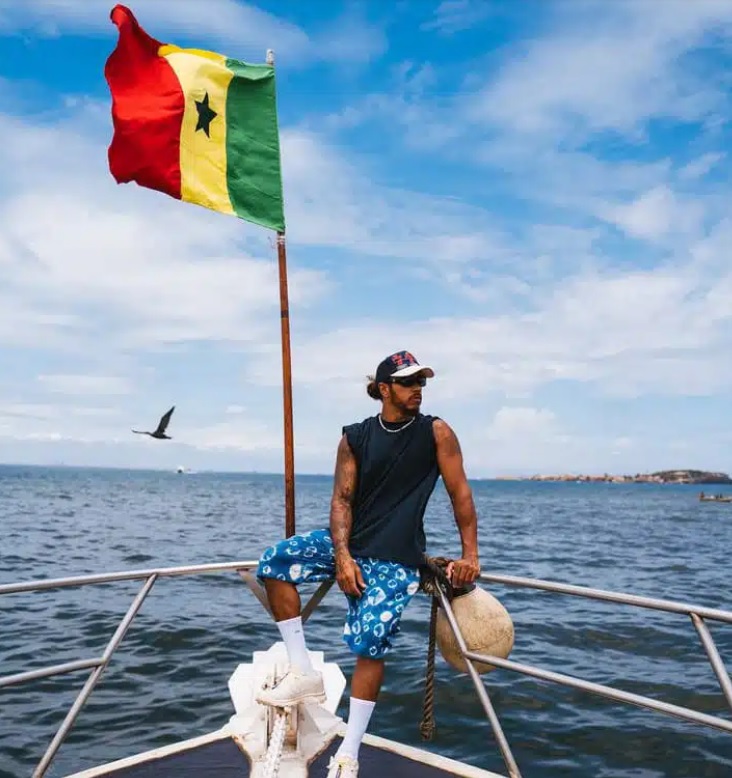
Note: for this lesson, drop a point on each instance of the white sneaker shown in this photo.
(342, 767)
(293, 688)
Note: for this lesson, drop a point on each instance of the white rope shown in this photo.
(276, 743)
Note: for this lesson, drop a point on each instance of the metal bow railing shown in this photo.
(698, 615)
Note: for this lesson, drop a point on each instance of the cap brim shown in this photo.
(413, 370)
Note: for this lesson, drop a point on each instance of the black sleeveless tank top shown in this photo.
(397, 473)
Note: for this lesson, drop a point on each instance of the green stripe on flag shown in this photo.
(253, 170)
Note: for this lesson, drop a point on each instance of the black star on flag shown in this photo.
(205, 115)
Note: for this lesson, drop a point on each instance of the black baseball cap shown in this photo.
(400, 365)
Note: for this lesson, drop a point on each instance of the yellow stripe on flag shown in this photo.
(202, 156)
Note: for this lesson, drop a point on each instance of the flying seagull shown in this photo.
(162, 426)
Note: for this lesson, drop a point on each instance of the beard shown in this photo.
(409, 407)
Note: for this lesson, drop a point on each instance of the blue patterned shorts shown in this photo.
(373, 619)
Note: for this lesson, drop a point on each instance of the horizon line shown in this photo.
(534, 476)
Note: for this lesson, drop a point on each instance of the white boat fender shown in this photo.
(486, 627)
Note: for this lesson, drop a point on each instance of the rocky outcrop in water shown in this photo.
(659, 477)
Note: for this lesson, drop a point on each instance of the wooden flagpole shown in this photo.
(286, 389)
(286, 375)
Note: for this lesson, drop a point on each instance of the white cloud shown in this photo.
(28, 411)
(93, 412)
(332, 201)
(521, 424)
(151, 274)
(414, 109)
(54, 422)
(241, 29)
(700, 166)
(655, 214)
(624, 333)
(576, 80)
(77, 249)
(153, 295)
(453, 16)
(23, 324)
(225, 21)
(537, 115)
(240, 434)
(622, 443)
(515, 437)
(85, 384)
(350, 38)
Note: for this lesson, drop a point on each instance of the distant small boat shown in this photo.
(714, 498)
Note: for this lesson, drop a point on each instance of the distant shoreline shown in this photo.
(659, 477)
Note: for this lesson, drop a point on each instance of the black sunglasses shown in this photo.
(418, 380)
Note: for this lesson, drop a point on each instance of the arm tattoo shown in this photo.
(344, 489)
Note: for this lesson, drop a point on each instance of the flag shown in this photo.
(196, 125)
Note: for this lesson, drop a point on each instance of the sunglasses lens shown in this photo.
(409, 382)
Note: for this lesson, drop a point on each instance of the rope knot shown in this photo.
(433, 573)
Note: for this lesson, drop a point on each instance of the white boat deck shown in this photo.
(221, 755)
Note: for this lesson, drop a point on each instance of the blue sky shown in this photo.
(534, 198)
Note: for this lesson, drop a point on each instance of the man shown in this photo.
(386, 470)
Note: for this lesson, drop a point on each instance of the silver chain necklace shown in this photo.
(403, 427)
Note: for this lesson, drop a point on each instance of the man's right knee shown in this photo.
(297, 559)
(265, 568)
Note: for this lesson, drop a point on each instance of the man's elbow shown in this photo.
(340, 502)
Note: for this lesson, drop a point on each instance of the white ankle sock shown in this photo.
(359, 714)
(294, 639)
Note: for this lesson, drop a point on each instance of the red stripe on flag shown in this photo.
(147, 109)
